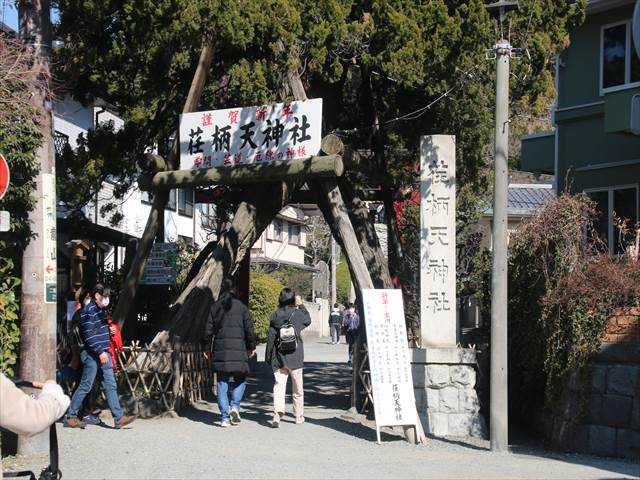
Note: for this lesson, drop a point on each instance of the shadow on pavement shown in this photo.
(326, 387)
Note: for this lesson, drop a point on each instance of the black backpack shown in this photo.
(287, 338)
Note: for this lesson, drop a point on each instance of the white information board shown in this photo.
(394, 401)
(5, 221)
(285, 131)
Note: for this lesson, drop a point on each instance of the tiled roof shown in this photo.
(529, 197)
(526, 199)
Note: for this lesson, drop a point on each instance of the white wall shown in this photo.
(319, 313)
(269, 246)
(72, 119)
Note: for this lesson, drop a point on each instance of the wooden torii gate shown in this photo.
(273, 183)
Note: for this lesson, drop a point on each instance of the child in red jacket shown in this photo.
(115, 343)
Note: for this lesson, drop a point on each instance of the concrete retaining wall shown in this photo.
(605, 398)
(444, 381)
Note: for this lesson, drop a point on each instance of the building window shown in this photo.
(60, 141)
(208, 216)
(278, 229)
(171, 204)
(185, 239)
(616, 206)
(294, 234)
(620, 66)
(185, 202)
(147, 199)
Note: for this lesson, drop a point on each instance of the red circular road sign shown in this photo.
(4, 176)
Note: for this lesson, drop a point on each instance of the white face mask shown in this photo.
(105, 302)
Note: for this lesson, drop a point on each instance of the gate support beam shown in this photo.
(129, 288)
(329, 166)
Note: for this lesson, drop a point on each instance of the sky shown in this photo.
(9, 14)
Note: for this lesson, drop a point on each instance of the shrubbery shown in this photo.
(263, 301)
(562, 290)
(20, 137)
(9, 318)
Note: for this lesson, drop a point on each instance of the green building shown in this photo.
(595, 147)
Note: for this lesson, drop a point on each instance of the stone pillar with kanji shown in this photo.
(444, 375)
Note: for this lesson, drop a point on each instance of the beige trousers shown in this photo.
(280, 388)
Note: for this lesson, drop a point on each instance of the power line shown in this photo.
(467, 74)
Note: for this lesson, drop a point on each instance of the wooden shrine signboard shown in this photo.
(234, 136)
(394, 401)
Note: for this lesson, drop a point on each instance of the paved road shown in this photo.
(330, 445)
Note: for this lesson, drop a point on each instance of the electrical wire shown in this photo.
(467, 74)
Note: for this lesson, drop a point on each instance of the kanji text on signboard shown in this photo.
(285, 131)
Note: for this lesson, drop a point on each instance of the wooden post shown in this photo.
(313, 167)
(128, 293)
(38, 289)
(335, 207)
(332, 205)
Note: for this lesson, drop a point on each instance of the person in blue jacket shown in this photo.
(94, 355)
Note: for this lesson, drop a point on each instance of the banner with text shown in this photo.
(389, 358)
(49, 238)
(285, 131)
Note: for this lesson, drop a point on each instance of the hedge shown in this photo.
(264, 291)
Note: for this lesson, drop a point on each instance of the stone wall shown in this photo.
(444, 383)
(605, 398)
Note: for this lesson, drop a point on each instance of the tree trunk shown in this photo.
(38, 317)
(394, 247)
(367, 236)
(254, 214)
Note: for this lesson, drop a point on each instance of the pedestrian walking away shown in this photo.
(335, 324)
(285, 354)
(229, 331)
(94, 339)
(351, 324)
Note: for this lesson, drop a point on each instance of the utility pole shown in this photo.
(499, 405)
(39, 269)
(334, 262)
(499, 400)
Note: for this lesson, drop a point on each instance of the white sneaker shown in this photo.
(235, 416)
(225, 423)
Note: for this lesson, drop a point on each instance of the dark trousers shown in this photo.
(335, 332)
(351, 341)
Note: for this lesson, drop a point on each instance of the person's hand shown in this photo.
(205, 355)
(40, 384)
(112, 329)
(51, 388)
(104, 358)
(251, 353)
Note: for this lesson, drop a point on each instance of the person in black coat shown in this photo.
(285, 364)
(234, 342)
